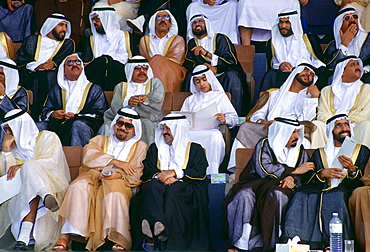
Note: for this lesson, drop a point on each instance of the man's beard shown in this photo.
(302, 82)
(288, 34)
(99, 29)
(59, 36)
(341, 139)
(199, 33)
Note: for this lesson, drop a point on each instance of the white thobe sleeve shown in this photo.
(32, 66)
(309, 108)
(275, 63)
(344, 49)
(214, 60)
(173, 166)
(7, 160)
(261, 114)
(122, 55)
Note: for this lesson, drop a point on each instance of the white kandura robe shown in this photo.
(48, 172)
(211, 139)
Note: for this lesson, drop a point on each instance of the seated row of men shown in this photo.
(95, 206)
(299, 98)
(282, 193)
(109, 49)
(77, 110)
(170, 212)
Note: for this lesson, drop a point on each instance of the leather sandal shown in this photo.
(61, 245)
(20, 245)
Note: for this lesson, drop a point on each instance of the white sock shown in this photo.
(24, 234)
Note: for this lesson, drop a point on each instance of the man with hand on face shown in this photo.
(255, 205)
(105, 196)
(349, 39)
(107, 50)
(347, 94)
(312, 205)
(38, 158)
(40, 56)
(142, 93)
(170, 212)
(74, 108)
(164, 50)
(296, 98)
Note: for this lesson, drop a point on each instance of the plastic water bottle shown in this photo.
(336, 230)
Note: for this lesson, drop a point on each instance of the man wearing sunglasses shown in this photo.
(40, 56)
(165, 50)
(349, 39)
(216, 51)
(111, 166)
(74, 108)
(170, 212)
(107, 50)
(142, 93)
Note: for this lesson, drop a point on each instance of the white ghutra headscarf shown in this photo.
(121, 149)
(179, 126)
(24, 131)
(173, 30)
(297, 53)
(74, 89)
(354, 47)
(52, 21)
(11, 76)
(278, 135)
(345, 94)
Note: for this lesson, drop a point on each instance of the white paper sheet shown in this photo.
(202, 119)
(346, 149)
(10, 188)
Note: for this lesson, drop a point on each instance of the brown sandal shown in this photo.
(61, 245)
(118, 247)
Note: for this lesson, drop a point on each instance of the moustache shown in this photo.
(141, 74)
(295, 140)
(352, 22)
(166, 134)
(162, 22)
(124, 131)
(77, 67)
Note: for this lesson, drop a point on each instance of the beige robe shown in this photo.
(48, 172)
(359, 114)
(167, 67)
(98, 208)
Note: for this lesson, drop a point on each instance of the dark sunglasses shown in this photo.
(128, 126)
(354, 16)
(71, 62)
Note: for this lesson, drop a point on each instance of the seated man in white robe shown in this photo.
(347, 94)
(297, 98)
(38, 158)
(165, 50)
(289, 47)
(142, 93)
(222, 15)
(208, 91)
(107, 49)
(111, 166)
